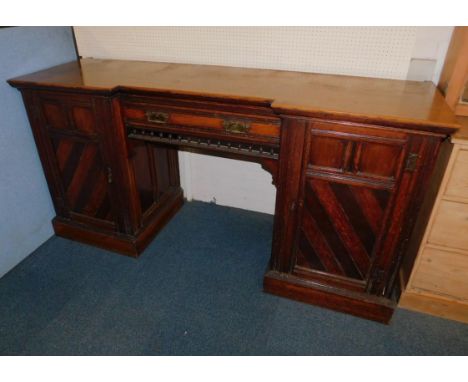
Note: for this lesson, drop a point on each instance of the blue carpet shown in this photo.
(196, 290)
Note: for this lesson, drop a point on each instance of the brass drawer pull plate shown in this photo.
(236, 127)
(157, 116)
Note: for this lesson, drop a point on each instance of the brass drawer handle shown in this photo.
(157, 116)
(237, 127)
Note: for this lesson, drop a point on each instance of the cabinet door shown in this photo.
(348, 181)
(347, 198)
(79, 172)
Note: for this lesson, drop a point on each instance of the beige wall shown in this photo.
(385, 52)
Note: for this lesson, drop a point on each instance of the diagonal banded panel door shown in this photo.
(349, 178)
(83, 177)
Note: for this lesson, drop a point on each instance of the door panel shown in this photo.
(348, 180)
(329, 153)
(54, 114)
(83, 118)
(339, 227)
(84, 176)
(73, 113)
(351, 152)
(378, 160)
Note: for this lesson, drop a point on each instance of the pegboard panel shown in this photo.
(383, 52)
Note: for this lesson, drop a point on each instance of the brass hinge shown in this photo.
(411, 162)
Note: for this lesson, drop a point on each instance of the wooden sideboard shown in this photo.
(353, 160)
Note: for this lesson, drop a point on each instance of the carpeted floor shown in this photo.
(197, 290)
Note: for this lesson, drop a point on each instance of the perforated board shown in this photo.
(383, 52)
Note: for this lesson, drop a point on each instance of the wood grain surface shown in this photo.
(415, 104)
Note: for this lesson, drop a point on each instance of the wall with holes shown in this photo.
(384, 52)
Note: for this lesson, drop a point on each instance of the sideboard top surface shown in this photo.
(416, 105)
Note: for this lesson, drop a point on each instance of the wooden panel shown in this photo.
(457, 185)
(429, 207)
(339, 228)
(329, 153)
(143, 168)
(450, 227)
(208, 116)
(124, 244)
(72, 113)
(289, 179)
(378, 160)
(84, 118)
(84, 179)
(356, 151)
(435, 304)
(55, 114)
(155, 172)
(357, 132)
(350, 223)
(161, 158)
(412, 104)
(443, 272)
(75, 144)
(344, 203)
(351, 302)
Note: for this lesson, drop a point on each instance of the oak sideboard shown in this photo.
(354, 161)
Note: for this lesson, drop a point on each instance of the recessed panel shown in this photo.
(84, 178)
(378, 160)
(55, 115)
(327, 153)
(83, 119)
(339, 228)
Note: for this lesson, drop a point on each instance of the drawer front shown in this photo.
(202, 119)
(457, 185)
(443, 272)
(450, 227)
